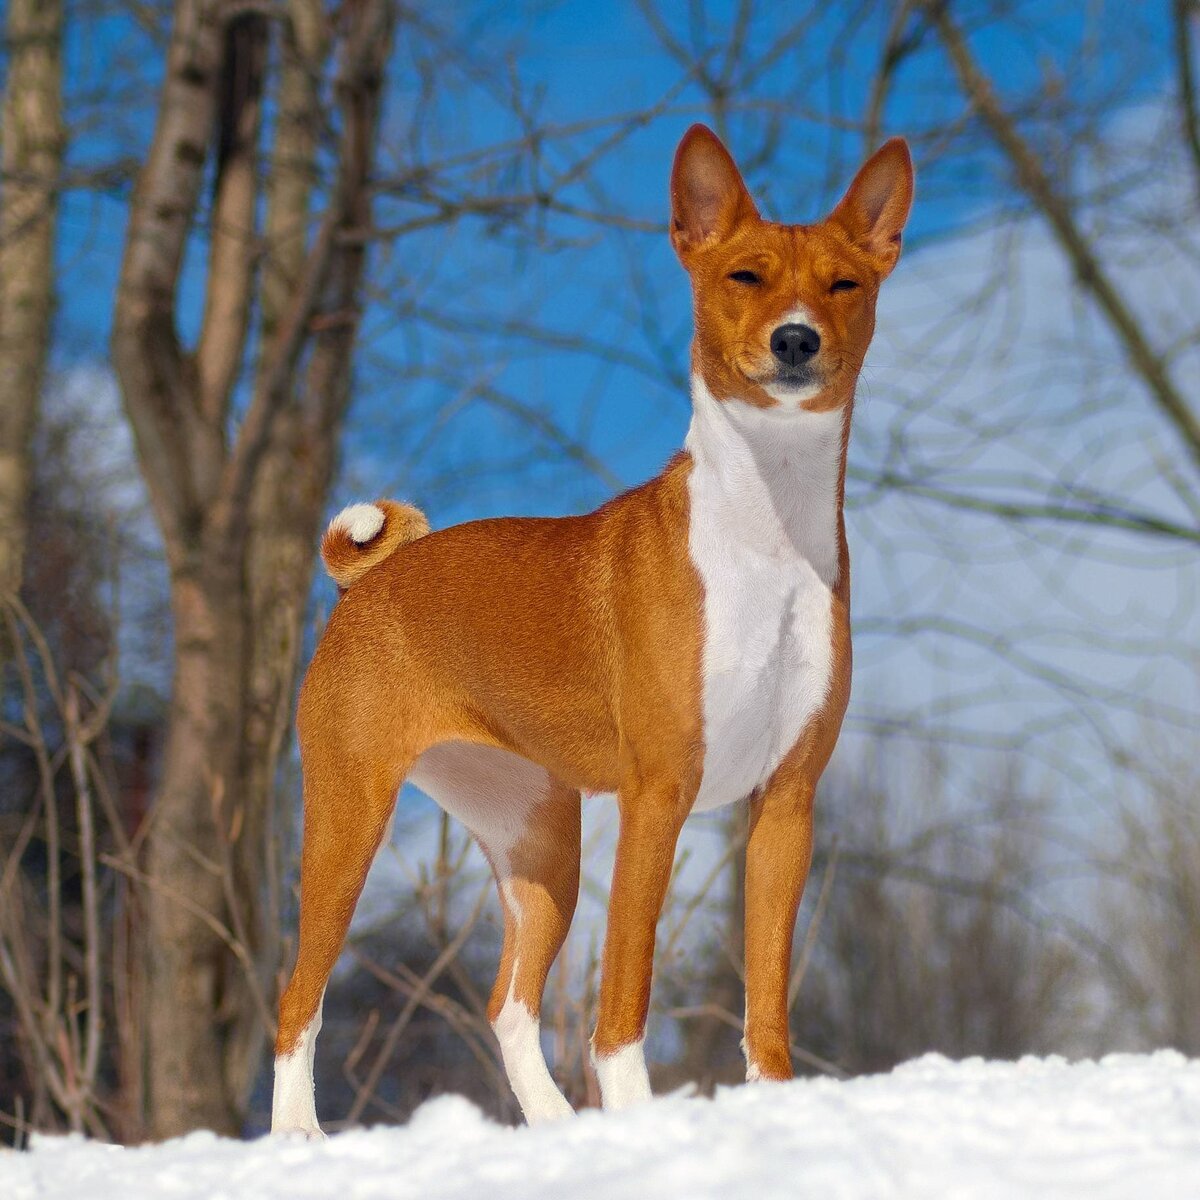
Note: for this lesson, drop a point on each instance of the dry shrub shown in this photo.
(1150, 895)
(933, 937)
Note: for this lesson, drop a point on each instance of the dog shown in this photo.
(685, 646)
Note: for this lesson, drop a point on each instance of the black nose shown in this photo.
(795, 344)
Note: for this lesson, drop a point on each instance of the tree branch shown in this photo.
(232, 258)
(359, 89)
(896, 48)
(1093, 510)
(1185, 15)
(1036, 183)
(156, 379)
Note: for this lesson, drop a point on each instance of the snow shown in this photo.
(1122, 1127)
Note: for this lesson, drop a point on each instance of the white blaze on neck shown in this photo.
(622, 1076)
(293, 1105)
(763, 536)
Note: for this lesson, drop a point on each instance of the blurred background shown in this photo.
(260, 258)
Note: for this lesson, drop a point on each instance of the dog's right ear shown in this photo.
(708, 197)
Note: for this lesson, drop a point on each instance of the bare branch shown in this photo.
(1185, 17)
(1035, 181)
(232, 257)
(896, 48)
(359, 89)
(1091, 510)
(178, 452)
(448, 954)
(77, 743)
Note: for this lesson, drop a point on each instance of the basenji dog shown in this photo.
(685, 646)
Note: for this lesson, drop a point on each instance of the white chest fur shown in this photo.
(763, 536)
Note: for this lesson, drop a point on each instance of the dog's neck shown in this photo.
(770, 482)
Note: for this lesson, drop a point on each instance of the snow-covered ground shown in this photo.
(1128, 1126)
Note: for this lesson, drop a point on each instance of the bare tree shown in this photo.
(32, 161)
(258, 177)
(238, 510)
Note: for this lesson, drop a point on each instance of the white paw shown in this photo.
(622, 1077)
(553, 1106)
(311, 1133)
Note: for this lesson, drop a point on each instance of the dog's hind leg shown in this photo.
(539, 885)
(528, 826)
(349, 795)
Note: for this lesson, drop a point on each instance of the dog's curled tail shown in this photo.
(363, 535)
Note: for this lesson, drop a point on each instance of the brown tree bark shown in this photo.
(238, 511)
(34, 141)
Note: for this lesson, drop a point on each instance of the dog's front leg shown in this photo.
(778, 854)
(651, 817)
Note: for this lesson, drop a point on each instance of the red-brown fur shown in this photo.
(347, 561)
(577, 643)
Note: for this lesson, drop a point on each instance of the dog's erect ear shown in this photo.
(874, 209)
(708, 197)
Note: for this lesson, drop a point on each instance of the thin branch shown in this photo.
(232, 258)
(91, 904)
(237, 948)
(896, 48)
(814, 926)
(418, 994)
(1095, 513)
(359, 91)
(1041, 189)
(544, 426)
(1185, 18)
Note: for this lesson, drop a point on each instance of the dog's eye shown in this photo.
(843, 285)
(745, 277)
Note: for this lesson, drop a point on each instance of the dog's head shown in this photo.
(784, 313)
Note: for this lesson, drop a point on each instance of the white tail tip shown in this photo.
(360, 521)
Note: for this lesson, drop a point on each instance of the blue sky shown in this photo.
(419, 428)
(582, 61)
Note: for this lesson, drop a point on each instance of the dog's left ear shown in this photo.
(708, 197)
(875, 207)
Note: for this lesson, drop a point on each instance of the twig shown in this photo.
(367, 1089)
(1037, 184)
(814, 926)
(91, 904)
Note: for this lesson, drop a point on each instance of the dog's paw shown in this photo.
(311, 1134)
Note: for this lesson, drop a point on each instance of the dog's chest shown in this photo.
(763, 537)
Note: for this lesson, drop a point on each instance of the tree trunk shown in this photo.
(239, 512)
(33, 150)
(189, 965)
(286, 504)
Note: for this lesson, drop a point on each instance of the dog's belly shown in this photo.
(767, 666)
(493, 792)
